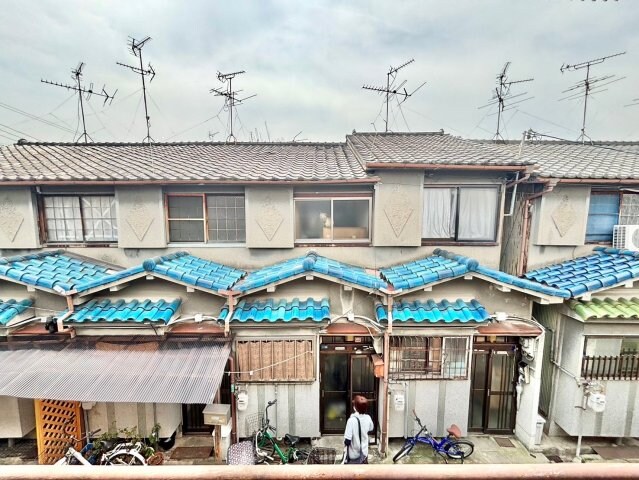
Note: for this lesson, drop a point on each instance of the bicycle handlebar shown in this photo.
(272, 402)
(419, 422)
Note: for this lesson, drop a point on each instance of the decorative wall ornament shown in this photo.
(269, 218)
(139, 218)
(564, 216)
(10, 219)
(398, 211)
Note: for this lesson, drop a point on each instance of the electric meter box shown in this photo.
(217, 414)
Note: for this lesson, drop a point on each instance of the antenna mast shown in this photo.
(231, 100)
(589, 86)
(502, 93)
(136, 49)
(80, 90)
(391, 89)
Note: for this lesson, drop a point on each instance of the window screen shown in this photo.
(90, 218)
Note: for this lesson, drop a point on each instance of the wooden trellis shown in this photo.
(55, 421)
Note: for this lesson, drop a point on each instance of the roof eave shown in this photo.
(28, 183)
(435, 166)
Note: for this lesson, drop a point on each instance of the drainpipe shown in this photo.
(60, 322)
(523, 256)
(233, 398)
(227, 320)
(385, 414)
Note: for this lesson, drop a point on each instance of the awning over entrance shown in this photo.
(170, 371)
(511, 327)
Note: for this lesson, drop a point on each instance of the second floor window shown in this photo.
(603, 215)
(80, 219)
(200, 218)
(463, 214)
(332, 220)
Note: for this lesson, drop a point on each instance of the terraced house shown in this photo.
(409, 268)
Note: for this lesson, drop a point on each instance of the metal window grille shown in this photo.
(226, 218)
(276, 361)
(80, 218)
(629, 212)
(413, 357)
(602, 367)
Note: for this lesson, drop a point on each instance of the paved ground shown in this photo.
(487, 451)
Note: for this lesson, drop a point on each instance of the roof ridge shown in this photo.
(164, 144)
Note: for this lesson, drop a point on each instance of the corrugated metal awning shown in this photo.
(150, 372)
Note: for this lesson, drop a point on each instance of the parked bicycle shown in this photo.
(267, 449)
(89, 455)
(448, 447)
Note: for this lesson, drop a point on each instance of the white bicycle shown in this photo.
(120, 454)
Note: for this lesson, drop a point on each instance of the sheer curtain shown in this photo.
(477, 213)
(439, 212)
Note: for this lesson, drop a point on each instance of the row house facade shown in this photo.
(463, 279)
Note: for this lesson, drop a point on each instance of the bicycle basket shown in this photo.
(242, 453)
(321, 456)
(254, 422)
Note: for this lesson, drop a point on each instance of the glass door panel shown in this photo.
(501, 392)
(335, 392)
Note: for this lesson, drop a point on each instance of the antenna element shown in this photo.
(231, 100)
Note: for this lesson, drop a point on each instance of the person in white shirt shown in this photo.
(356, 433)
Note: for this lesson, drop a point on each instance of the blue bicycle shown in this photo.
(449, 446)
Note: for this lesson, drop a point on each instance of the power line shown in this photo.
(34, 117)
(18, 131)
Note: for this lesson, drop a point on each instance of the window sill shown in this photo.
(366, 243)
(79, 245)
(205, 245)
(437, 243)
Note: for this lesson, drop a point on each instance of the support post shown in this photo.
(385, 408)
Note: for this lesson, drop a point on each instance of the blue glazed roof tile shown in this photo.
(432, 312)
(52, 269)
(136, 311)
(309, 263)
(10, 308)
(271, 311)
(194, 270)
(603, 269)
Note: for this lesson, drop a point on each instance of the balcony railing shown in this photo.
(620, 367)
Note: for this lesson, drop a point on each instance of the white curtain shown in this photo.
(439, 213)
(477, 213)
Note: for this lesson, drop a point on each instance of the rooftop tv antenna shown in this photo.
(83, 91)
(502, 94)
(136, 49)
(231, 99)
(588, 86)
(392, 90)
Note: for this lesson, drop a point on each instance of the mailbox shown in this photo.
(217, 414)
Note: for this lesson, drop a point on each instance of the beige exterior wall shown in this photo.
(141, 222)
(18, 417)
(18, 219)
(397, 212)
(116, 416)
(269, 217)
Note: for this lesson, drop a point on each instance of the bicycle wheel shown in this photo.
(126, 457)
(403, 452)
(264, 447)
(459, 449)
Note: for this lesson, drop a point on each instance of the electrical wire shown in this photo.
(217, 115)
(34, 117)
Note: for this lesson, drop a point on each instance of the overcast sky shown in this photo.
(307, 62)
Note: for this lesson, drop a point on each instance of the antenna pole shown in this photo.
(230, 97)
(146, 108)
(80, 90)
(392, 90)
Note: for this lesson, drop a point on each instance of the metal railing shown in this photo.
(620, 367)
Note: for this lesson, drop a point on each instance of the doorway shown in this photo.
(492, 391)
(346, 369)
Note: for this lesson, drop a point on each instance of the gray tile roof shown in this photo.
(558, 159)
(179, 162)
(429, 148)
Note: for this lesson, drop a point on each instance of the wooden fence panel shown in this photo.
(55, 421)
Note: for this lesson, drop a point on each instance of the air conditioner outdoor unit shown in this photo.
(626, 237)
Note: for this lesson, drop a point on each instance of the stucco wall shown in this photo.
(18, 219)
(141, 222)
(18, 417)
(528, 404)
(269, 217)
(397, 215)
(116, 416)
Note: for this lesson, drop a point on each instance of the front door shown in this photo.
(492, 399)
(346, 369)
(193, 420)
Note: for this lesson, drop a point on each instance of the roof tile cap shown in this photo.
(470, 263)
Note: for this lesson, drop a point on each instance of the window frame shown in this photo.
(602, 192)
(43, 227)
(435, 357)
(204, 220)
(332, 197)
(455, 240)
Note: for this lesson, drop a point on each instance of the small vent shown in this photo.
(626, 237)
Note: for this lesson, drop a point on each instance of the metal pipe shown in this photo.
(233, 399)
(562, 471)
(385, 410)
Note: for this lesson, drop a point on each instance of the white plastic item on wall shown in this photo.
(242, 400)
(399, 401)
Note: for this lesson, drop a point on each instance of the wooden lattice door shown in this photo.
(55, 421)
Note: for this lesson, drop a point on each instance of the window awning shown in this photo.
(171, 371)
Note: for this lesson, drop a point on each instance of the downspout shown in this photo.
(385, 414)
(233, 399)
(523, 255)
(71, 311)
(227, 320)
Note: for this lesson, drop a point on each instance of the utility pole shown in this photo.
(80, 90)
(588, 87)
(502, 94)
(136, 49)
(231, 99)
(391, 90)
